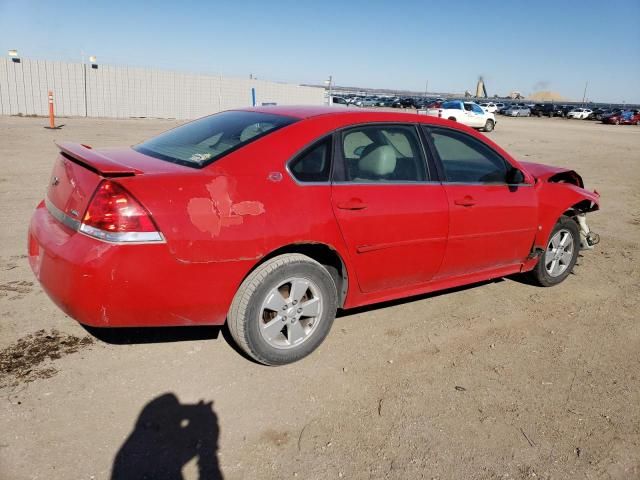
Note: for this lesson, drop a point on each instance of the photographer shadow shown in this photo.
(166, 437)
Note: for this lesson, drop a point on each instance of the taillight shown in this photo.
(115, 216)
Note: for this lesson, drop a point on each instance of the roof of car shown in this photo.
(298, 111)
(352, 115)
(303, 112)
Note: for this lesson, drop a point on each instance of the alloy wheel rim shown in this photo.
(290, 313)
(559, 253)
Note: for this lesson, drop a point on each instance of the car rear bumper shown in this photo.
(114, 285)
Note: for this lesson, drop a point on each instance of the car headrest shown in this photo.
(380, 161)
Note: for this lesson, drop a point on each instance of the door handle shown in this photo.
(352, 204)
(466, 201)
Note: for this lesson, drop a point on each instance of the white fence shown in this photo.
(123, 92)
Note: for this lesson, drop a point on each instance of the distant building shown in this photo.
(481, 91)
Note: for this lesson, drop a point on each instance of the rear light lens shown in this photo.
(114, 215)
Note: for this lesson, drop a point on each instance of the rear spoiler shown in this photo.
(94, 161)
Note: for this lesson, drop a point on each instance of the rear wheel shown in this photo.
(560, 255)
(284, 309)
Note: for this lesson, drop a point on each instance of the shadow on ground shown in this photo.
(167, 436)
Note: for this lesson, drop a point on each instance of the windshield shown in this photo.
(202, 141)
(451, 105)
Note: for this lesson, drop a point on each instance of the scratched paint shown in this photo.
(212, 214)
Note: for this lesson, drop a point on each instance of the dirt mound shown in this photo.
(547, 96)
(22, 360)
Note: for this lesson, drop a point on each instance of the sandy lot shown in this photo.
(500, 380)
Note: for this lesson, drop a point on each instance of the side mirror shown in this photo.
(515, 177)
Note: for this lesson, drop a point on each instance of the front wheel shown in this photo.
(560, 255)
(284, 309)
(488, 127)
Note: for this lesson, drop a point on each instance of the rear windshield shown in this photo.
(203, 141)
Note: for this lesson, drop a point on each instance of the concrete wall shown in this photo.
(123, 92)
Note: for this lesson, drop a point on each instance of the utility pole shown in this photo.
(426, 88)
(328, 82)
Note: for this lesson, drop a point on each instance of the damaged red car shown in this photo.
(270, 219)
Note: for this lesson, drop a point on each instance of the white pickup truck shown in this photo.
(467, 113)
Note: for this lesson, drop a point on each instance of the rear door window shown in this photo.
(383, 153)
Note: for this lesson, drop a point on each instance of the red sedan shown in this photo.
(626, 117)
(272, 218)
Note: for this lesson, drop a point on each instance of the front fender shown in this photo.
(554, 199)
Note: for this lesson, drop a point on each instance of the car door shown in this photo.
(393, 219)
(492, 213)
(479, 115)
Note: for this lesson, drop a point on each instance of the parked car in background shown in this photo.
(467, 113)
(537, 110)
(596, 113)
(579, 113)
(504, 108)
(196, 225)
(607, 113)
(625, 117)
(369, 102)
(518, 111)
(405, 102)
(386, 102)
(565, 109)
(339, 102)
(489, 107)
(546, 110)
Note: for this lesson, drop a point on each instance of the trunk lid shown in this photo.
(79, 170)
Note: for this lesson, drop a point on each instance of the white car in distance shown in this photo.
(489, 107)
(468, 113)
(579, 113)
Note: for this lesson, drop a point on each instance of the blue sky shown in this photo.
(518, 45)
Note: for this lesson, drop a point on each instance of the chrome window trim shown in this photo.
(390, 183)
(481, 184)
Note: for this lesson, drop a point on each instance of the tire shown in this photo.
(488, 127)
(555, 265)
(251, 311)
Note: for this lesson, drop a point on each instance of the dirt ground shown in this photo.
(500, 380)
